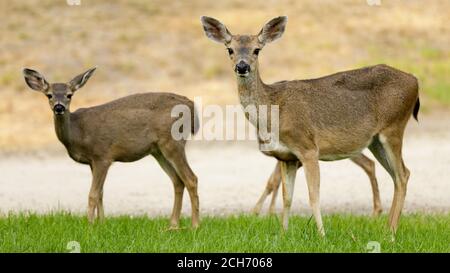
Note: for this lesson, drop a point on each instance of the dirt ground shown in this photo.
(231, 178)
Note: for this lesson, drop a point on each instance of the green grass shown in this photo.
(345, 233)
(432, 70)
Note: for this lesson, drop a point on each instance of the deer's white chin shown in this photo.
(245, 75)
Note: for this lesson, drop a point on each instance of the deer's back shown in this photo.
(377, 92)
(343, 111)
(128, 128)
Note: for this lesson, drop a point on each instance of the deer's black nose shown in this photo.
(242, 67)
(59, 108)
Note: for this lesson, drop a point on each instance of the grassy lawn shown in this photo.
(345, 233)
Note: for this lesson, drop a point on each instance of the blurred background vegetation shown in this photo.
(143, 46)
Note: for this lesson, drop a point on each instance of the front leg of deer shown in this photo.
(310, 160)
(288, 173)
(95, 202)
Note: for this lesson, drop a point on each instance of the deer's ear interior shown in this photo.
(272, 30)
(80, 80)
(35, 80)
(215, 30)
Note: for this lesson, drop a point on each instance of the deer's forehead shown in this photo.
(244, 41)
(59, 88)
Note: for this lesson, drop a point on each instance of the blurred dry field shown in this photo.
(160, 46)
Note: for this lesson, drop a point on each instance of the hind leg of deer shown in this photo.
(310, 161)
(288, 172)
(276, 186)
(271, 187)
(95, 202)
(388, 147)
(178, 186)
(369, 167)
(175, 154)
(393, 147)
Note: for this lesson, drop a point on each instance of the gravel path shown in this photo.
(231, 178)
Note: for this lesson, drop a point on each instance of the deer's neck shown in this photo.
(252, 90)
(63, 128)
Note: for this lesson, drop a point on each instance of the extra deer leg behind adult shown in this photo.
(271, 187)
(275, 187)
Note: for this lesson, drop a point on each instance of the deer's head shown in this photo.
(59, 94)
(244, 49)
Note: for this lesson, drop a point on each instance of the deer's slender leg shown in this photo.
(271, 187)
(257, 209)
(387, 150)
(275, 187)
(369, 167)
(379, 152)
(99, 171)
(392, 144)
(288, 173)
(175, 154)
(310, 161)
(178, 190)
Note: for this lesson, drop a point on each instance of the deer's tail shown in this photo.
(195, 123)
(416, 109)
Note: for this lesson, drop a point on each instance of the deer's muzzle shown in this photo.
(59, 109)
(242, 68)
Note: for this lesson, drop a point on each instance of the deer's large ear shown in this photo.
(215, 30)
(80, 80)
(35, 80)
(272, 30)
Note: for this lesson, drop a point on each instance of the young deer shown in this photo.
(361, 160)
(124, 130)
(328, 118)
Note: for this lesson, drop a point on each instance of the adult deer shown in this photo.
(361, 160)
(328, 118)
(124, 130)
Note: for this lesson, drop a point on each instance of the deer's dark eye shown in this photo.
(256, 51)
(49, 96)
(230, 51)
(69, 96)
